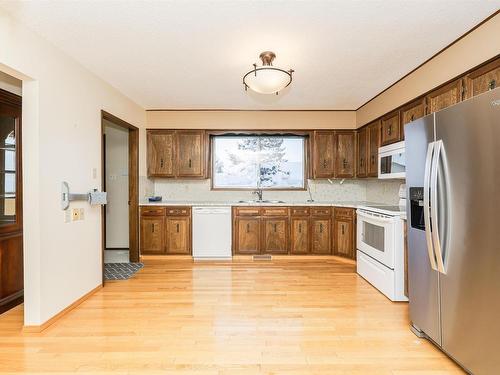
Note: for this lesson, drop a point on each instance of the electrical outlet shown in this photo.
(82, 213)
(75, 214)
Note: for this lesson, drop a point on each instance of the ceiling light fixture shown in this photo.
(267, 79)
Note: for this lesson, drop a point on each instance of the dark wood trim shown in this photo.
(430, 58)
(133, 186)
(10, 98)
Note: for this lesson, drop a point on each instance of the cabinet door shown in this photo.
(324, 154)
(390, 129)
(483, 79)
(178, 235)
(191, 153)
(344, 235)
(411, 112)
(247, 235)
(152, 235)
(321, 235)
(275, 235)
(299, 239)
(373, 145)
(362, 152)
(444, 96)
(160, 153)
(345, 146)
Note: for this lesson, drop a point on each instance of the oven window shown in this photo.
(373, 236)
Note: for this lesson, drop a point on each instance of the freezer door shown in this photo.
(422, 279)
(468, 193)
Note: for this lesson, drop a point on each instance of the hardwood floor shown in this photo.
(279, 317)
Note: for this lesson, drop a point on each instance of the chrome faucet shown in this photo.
(258, 192)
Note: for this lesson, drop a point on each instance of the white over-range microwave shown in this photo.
(391, 161)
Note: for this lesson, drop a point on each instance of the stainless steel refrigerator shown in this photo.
(453, 190)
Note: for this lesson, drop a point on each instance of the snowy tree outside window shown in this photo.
(249, 162)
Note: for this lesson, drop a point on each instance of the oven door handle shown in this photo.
(427, 207)
(374, 218)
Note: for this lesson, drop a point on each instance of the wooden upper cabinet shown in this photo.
(321, 235)
(483, 79)
(373, 145)
(345, 146)
(152, 234)
(390, 129)
(411, 112)
(299, 235)
(247, 235)
(275, 235)
(361, 152)
(161, 153)
(178, 235)
(445, 96)
(190, 153)
(324, 154)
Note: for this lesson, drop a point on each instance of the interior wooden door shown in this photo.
(11, 218)
(160, 153)
(152, 235)
(345, 145)
(324, 154)
(275, 235)
(361, 152)
(373, 145)
(299, 235)
(178, 235)
(321, 236)
(247, 235)
(190, 153)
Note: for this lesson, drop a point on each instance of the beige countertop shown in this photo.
(352, 204)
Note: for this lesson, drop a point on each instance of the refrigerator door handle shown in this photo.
(427, 208)
(439, 154)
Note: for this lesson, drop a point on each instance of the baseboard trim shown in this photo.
(43, 326)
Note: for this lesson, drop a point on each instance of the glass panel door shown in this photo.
(8, 170)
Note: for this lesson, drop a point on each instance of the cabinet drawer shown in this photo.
(247, 211)
(153, 211)
(344, 212)
(321, 211)
(178, 211)
(275, 211)
(300, 211)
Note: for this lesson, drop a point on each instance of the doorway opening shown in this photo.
(120, 179)
(11, 202)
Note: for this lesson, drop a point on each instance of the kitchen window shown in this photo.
(258, 161)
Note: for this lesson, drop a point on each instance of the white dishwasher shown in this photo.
(212, 232)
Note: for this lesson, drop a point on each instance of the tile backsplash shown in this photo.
(321, 190)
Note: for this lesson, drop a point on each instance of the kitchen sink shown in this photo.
(255, 201)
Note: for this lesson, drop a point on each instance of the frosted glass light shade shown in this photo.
(267, 79)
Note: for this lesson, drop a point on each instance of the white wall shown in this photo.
(10, 84)
(116, 186)
(61, 142)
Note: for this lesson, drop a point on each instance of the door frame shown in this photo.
(133, 185)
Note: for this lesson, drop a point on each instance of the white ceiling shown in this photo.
(193, 54)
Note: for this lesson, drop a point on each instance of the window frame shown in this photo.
(305, 134)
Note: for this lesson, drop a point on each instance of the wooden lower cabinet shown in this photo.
(344, 232)
(321, 235)
(300, 237)
(247, 235)
(165, 230)
(274, 235)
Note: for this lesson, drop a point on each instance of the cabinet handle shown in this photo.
(300, 228)
(320, 228)
(190, 163)
(274, 226)
(161, 162)
(324, 163)
(412, 117)
(373, 159)
(344, 163)
(177, 228)
(389, 130)
(343, 230)
(248, 228)
(152, 228)
(492, 84)
(361, 162)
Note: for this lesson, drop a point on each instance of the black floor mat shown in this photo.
(121, 271)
